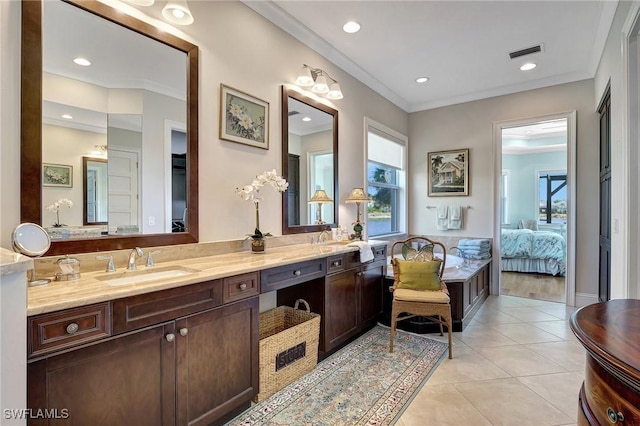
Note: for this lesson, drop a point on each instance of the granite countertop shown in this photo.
(466, 271)
(90, 288)
(11, 262)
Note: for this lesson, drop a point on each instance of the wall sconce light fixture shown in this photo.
(320, 82)
(178, 12)
(358, 196)
(320, 197)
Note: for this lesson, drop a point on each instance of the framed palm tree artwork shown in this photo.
(448, 173)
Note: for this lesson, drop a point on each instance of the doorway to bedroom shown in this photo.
(534, 188)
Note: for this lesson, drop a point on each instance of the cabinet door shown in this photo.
(217, 362)
(342, 317)
(123, 381)
(371, 290)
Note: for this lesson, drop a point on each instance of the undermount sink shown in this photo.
(146, 275)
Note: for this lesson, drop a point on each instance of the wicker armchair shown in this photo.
(431, 304)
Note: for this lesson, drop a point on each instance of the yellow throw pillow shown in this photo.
(418, 275)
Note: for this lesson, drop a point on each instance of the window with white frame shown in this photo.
(386, 181)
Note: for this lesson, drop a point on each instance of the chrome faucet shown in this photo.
(323, 237)
(132, 258)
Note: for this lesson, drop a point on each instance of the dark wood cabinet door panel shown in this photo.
(121, 381)
(371, 294)
(218, 362)
(139, 311)
(341, 321)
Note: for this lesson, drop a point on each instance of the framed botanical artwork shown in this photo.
(57, 175)
(243, 118)
(448, 172)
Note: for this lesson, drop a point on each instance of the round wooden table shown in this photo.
(610, 332)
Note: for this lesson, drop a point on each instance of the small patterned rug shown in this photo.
(361, 384)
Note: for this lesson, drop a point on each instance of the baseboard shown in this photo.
(584, 299)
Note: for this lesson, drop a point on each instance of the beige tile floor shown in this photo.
(517, 363)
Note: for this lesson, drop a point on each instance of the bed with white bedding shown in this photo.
(524, 250)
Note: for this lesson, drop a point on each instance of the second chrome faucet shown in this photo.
(135, 252)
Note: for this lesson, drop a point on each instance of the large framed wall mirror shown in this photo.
(309, 162)
(124, 124)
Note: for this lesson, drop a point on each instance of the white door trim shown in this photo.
(570, 116)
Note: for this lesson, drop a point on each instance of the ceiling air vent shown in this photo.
(524, 52)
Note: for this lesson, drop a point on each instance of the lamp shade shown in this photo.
(320, 196)
(321, 85)
(178, 12)
(357, 196)
(304, 77)
(335, 92)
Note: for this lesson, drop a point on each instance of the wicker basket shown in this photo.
(288, 346)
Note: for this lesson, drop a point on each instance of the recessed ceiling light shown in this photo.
(306, 119)
(351, 27)
(82, 61)
(528, 66)
(422, 79)
(67, 116)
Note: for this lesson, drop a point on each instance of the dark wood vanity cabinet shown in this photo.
(194, 368)
(348, 298)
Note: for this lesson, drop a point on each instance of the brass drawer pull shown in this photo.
(243, 286)
(614, 417)
(72, 328)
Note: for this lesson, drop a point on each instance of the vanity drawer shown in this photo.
(288, 275)
(139, 311)
(335, 264)
(240, 287)
(63, 329)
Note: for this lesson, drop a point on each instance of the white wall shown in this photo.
(610, 71)
(523, 199)
(243, 50)
(470, 125)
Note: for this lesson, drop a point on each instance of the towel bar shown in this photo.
(435, 207)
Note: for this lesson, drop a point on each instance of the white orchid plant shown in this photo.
(251, 192)
(55, 207)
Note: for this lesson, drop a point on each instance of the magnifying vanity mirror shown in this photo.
(106, 136)
(309, 162)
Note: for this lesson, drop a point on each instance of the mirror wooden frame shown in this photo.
(286, 94)
(31, 129)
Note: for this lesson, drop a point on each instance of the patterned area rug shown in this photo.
(361, 384)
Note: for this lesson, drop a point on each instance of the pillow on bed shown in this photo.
(418, 275)
(528, 224)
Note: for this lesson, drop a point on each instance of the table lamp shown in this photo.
(357, 196)
(320, 197)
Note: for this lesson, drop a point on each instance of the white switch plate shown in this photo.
(152, 221)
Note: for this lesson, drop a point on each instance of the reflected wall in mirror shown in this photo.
(309, 162)
(95, 191)
(127, 107)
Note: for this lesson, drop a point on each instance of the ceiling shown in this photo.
(462, 46)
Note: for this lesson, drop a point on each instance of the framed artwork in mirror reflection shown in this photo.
(243, 118)
(57, 175)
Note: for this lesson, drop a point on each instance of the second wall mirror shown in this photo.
(309, 163)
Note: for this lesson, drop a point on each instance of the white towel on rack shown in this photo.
(455, 217)
(441, 218)
(366, 254)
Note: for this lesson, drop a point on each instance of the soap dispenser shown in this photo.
(68, 268)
